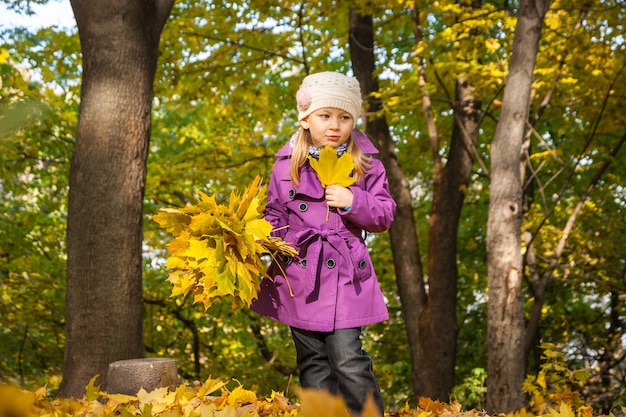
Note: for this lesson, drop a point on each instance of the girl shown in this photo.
(329, 290)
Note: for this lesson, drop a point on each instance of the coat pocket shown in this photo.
(362, 263)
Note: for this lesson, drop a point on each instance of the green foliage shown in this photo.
(35, 149)
(472, 392)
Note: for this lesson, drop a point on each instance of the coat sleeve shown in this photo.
(372, 209)
(275, 209)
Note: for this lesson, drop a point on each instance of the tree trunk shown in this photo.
(404, 243)
(505, 330)
(430, 317)
(450, 183)
(119, 41)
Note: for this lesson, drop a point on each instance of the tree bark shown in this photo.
(430, 317)
(404, 243)
(450, 183)
(505, 329)
(538, 284)
(119, 42)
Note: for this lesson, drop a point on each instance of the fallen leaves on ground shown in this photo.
(212, 399)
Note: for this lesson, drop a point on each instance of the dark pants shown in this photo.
(335, 361)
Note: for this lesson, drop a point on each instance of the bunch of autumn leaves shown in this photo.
(218, 249)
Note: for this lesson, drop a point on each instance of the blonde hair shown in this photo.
(300, 151)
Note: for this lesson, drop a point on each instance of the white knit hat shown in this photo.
(329, 89)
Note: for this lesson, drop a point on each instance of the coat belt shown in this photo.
(313, 240)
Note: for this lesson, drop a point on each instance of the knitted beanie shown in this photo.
(329, 89)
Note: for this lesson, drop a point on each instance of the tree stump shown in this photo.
(129, 376)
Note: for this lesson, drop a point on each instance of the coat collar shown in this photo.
(361, 140)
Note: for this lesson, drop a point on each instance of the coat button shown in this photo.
(303, 263)
(287, 259)
(292, 193)
(330, 263)
(362, 264)
(303, 207)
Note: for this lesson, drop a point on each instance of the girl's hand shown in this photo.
(338, 196)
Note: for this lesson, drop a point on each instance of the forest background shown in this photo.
(224, 103)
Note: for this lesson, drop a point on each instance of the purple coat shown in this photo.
(332, 278)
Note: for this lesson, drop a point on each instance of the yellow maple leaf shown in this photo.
(172, 219)
(40, 394)
(249, 205)
(247, 285)
(183, 283)
(176, 262)
(116, 400)
(203, 224)
(240, 396)
(333, 170)
(198, 249)
(563, 411)
(14, 401)
(317, 403)
(179, 245)
(258, 228)
(92, 391)
(159, 399)
(210, 386)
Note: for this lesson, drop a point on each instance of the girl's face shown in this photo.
(329, 126)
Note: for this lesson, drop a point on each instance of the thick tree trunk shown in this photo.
(505, 330)
(119, 41)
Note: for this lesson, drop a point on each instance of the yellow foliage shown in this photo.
(158, 400)
(553, 385)
(241, 396)
(321, 403)
(213, 399)
(16, 402)
(4, 56)
(216, 251)
(563, 411)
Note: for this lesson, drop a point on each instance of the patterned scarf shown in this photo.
(315, 151)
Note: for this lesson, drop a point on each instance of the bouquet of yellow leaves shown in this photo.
(216, 251)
